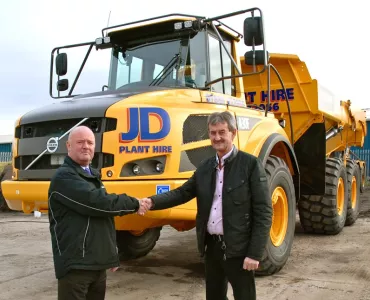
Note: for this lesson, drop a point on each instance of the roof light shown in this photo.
(103, 43)
(178, 26)
(188, 24)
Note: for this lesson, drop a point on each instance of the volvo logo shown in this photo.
(52, 144)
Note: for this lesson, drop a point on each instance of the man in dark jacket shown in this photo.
(82, 227)
(234, 212)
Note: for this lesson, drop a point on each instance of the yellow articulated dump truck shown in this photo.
(164, 77)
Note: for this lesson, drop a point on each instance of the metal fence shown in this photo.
(5, 156)
(363, 154)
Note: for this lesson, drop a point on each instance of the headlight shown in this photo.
(159, 167)
(144, 167)
(136, 169)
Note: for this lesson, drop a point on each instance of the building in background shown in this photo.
(6, 148)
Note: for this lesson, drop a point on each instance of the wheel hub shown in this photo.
(279, 217)
(354, 192)
(340, 196)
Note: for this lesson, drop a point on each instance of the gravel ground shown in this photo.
(320, 267)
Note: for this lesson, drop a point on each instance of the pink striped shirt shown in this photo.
(215, 225)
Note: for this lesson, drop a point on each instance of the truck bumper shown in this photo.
(29, 196)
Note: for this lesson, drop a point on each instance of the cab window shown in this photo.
(220, 65)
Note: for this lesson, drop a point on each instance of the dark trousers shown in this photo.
(219, 272)
(82, 285)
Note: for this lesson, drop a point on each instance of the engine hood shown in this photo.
(88, 105)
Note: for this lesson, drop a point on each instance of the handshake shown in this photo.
(145, 205)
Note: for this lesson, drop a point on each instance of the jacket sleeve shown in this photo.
(261, 211)
(70, 190)
(178, 196)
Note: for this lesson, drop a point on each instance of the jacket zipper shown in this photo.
(84, 242)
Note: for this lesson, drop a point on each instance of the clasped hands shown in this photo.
(145, 205)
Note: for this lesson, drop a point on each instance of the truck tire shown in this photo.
(6, 174)
(131, 245)
(283, 199)
(363, 179)
(354, 183)
(327, 214)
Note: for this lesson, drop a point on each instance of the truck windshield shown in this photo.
(171, 63)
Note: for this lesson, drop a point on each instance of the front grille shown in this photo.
(111, 124)
(192, 158)
(100, 160)
(34, 137)
(195, 129)
(59, 127)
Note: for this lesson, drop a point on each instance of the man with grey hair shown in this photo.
(234, 212)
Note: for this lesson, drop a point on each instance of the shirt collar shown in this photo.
(225, 156)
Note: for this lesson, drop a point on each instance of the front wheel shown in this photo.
(282, 229)
(136, 244)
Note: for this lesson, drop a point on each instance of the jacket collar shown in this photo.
(227, 160)
(69, 161)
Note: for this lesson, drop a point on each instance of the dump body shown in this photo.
(323, 126)
(309, 102)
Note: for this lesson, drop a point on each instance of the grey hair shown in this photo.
(222, 117)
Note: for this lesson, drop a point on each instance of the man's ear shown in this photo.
(233, 132)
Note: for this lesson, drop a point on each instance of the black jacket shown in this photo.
(246, 203)
(81, 219)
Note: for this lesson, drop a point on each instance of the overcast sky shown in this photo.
(330, 36)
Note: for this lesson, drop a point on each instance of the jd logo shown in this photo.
(138, 120)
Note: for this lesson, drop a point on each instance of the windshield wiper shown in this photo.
(165, 71)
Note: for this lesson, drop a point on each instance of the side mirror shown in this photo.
(256, 57)
(61, 64)
(253, 31)
(62, 85)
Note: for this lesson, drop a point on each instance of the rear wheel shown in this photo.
(354, 183)
(282, 229)
(327, 214)
(133, 244)
(363, 179)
